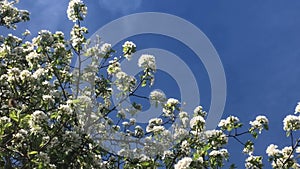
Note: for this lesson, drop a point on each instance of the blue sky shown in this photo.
(258, 43)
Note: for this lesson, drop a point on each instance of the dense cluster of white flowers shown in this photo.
(283, 157)
(197, 123)
(38, 118)
(259, 123)
(38, 73)
(76, 10)
(128, 49)
(184, 163)
(229, 123)
(147, 62)
(171, 105)
(291, 122)
(10, 15)
(199, 111)
(253, 162)
(4, 120)
(223, 153)
(114, 66)
(105, 48)
(125, 82)
(157, 97)
(45, 124)
(77, 37)
(184, 118)
(155, 125)
(216, 138)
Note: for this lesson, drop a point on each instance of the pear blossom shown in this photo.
(128, 49)
(184, 163)
(272, 150)
(253, 162)
(291, 122)
(105, 48)
(147, 62)
(197, 122)
(157, 96)
(259, 123)
(76, 10)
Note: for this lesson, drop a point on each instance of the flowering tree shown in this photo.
(55, 115)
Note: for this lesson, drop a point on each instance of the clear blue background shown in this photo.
(257, 41)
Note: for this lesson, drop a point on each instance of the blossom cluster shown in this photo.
(147, 62)
(76, 10)
(10, 15)
(229, 123)
(128, 49)
(51, 117)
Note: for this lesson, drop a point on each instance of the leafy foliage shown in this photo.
(55, 115)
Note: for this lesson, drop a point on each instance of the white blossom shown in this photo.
(297, 108)
(157, 96)
(76, 10)
(26, 33)
(297, 150)
(13, 74)
(25, 74)
(77, 36)
(132, 121)
(167, 154)
(66, 109)
(253, 162)
(287, 152)
(185, 146)
(48, 98)
(156, 129)
(105, 48)
(222, 152)
(272, 150)
(154, 125)
(199, 111)
(138, 131)
(180, 133)
(21, 134)
(170, 107)
(229, 122)
(259, 123)
(114, 66)
(125, 123)
(124, 82)
(121, 114)
(147, 62)
(38, 116)
(128, 49)
(156, 121)
(291, 122)
(184, 163)
(38, 73)
(4, 120)
(197, 122)
(216, 137)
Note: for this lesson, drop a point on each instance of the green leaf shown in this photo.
(144, 83)
(32, 152)
(145, 164)
(54, 115)
(254, 134)
(14, 116)
(39, 49)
